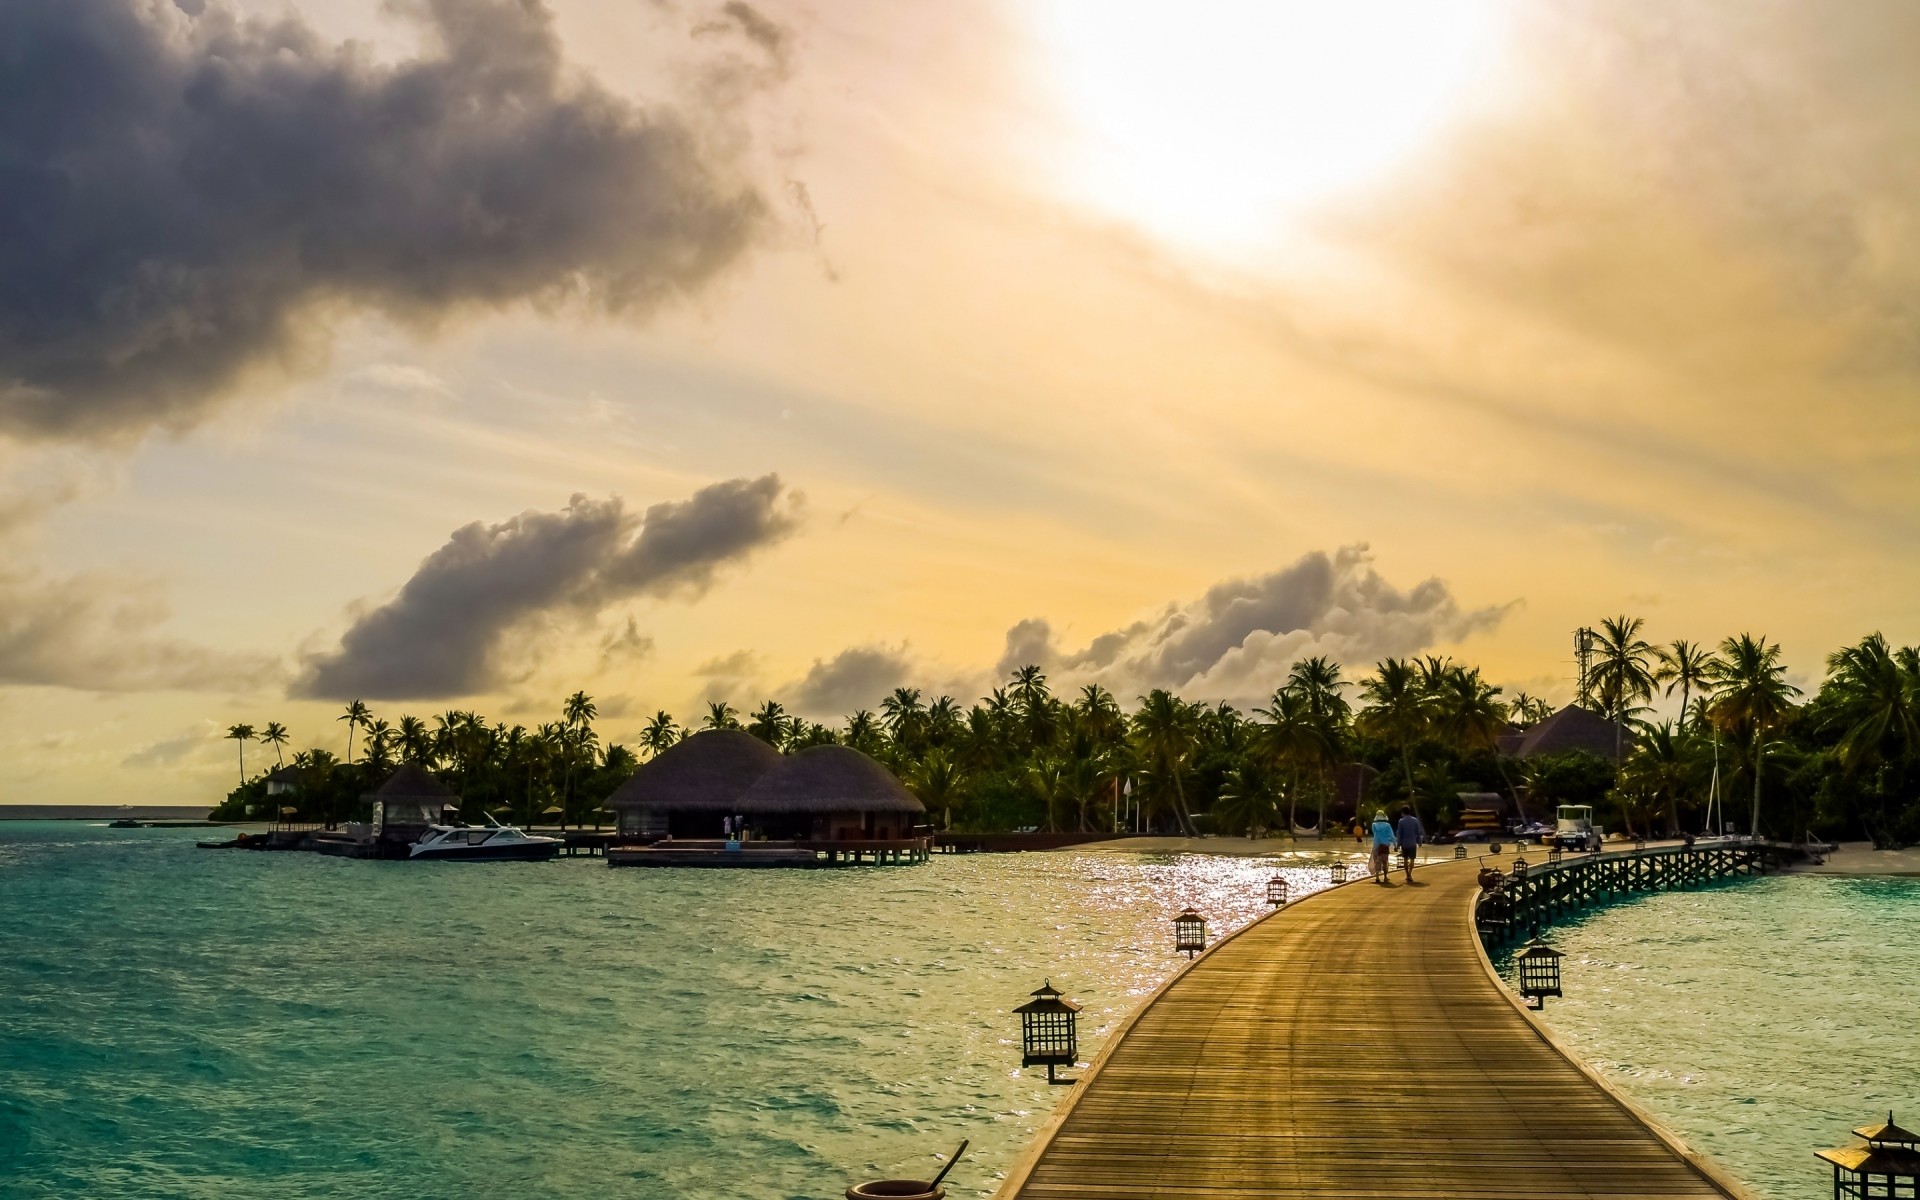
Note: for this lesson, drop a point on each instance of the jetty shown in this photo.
(1356, 1044)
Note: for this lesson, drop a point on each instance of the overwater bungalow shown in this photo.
(824, 806)
(408, 802)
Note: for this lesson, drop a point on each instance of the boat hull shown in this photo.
(512, 852)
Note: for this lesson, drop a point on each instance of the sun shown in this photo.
(1210, 122)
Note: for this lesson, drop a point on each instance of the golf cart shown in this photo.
(1574, 828)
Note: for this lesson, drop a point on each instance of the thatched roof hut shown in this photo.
(830, 779)
(706, 772)
(408, 802)
(1576, 728)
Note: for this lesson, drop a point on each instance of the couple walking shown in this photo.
(1407, 835)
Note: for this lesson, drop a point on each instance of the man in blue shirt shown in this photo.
(1411, 834)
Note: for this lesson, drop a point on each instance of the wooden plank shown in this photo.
(1351, 1046)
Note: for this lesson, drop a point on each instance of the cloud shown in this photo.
(197, 741)
(446, 631)
(625, 646)
(187, 193)
(1237, 641)
(853, 679)
(100, 632)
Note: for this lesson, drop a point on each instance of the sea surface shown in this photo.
(177, 1022)
(185, 1023)
(1760, 1019)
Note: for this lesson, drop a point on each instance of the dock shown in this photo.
(1353, 1045)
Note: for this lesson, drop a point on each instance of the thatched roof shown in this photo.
(829, 779)
(411, 783)
(709, 771)
(1576, 728)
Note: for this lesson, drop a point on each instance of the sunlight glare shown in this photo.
(1208, 122)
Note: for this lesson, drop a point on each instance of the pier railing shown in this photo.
(1526, 900)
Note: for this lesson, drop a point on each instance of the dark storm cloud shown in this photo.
(185, 193)
(106, 633)
(443, 634)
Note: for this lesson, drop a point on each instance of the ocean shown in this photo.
(185, 1023)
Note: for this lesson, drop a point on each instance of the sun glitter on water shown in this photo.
(1209, 123)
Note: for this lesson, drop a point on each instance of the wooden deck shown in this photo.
(1352, 1046)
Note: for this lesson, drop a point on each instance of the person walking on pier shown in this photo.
(1411, 833)
(1382, 846)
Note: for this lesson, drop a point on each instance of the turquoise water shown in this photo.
(177, 1022)
(1760, 1020)
(186, 1023)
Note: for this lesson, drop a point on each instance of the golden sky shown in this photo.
(678, 351)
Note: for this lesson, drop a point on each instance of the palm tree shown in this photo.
(1524, 710)
(1622, 674)
(1688, 667)
(1397, 711)
(1751, 697)
(769, 723)
(356, 715)
(275, 735)
(904, 718)
(1467, 709)
(415, 743)
(1249, 797)
(579, 709)
(863, 732)
(241, 734)
(720, 715)
(1872, 700)
(660, 733)
(1165, 727)
(376, 751)
(1293, 740)
(937, 783)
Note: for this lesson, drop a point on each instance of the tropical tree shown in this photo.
(275, 735)
(1751, 699)
(1467, 710)
(769, 723)
(660, 733)
(1249, 798)
(1164, 729)
(356, 715)
(1686, 667)
(241, 734)
(720, 715)
(1871, 706)
(1397, 711)
(416, 743)
(1622, 675)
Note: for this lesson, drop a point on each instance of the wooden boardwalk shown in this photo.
(1353, 1047)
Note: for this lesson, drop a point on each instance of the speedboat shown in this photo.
(482, 843)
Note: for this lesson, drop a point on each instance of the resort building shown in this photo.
(408, 802)
(690, 789)
(1575, 728)
(825, 805)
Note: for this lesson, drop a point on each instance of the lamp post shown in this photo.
(1049, 1031)
(1888, 1165)
(1520, 868)
(1539, 967)
(1337, 873)
(1277, 890)
(1553, 857)
(1189, 932)
(1460, 850)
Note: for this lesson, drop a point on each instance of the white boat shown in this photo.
(482, 843)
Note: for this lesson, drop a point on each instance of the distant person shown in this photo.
(1410, 833)
(1382, 846)
(726, 828)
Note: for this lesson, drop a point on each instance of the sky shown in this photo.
(467, 353)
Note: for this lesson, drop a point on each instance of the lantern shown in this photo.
(1519, 868)
(1553, 857)
(1049, 1031)
(1460, 851)
(1639, 843)
(1338, 872)
(1888, 1165)
(1539, 973)
(1189, 932)
(1494, 912)
(1277, 890)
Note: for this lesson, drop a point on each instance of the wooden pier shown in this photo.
(1353, 1045)
(1527, 902)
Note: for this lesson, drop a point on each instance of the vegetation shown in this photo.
(1846, 763)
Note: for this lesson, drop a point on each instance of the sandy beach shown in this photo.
(1860, 858)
